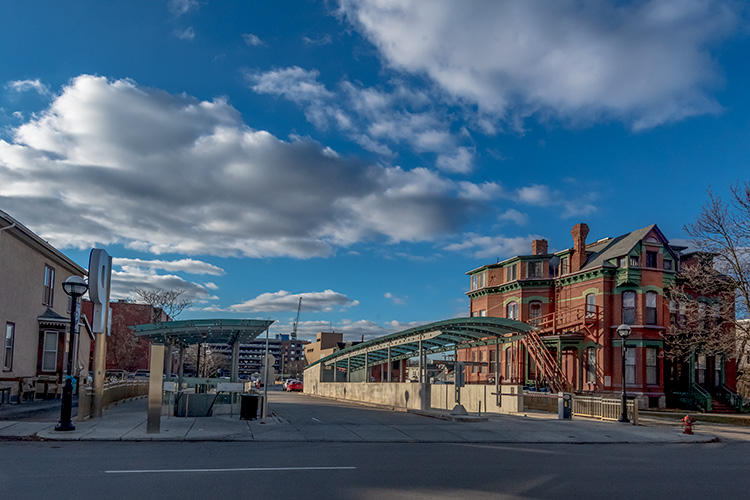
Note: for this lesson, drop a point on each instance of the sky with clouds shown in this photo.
(360, 154)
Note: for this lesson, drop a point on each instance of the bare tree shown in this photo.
(722, 229)
(211, 360)
(168, 301)
(702, 311)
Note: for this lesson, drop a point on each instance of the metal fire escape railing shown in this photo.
(547, 364)
(584, 317)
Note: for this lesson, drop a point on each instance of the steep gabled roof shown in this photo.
(611, 248)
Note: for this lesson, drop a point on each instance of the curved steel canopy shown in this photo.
(195, 331)
(448, 335)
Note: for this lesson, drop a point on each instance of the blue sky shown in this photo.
(360, 154)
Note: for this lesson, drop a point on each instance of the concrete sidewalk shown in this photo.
(127, 422)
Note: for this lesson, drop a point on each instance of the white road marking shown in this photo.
(317, 420)
(241, 469)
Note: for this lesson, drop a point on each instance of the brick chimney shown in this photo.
(578, 258)
(539, 247)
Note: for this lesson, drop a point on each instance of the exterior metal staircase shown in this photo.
(584, 317)
(546, 363)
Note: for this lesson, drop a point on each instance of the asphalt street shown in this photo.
(331, 471)
(320, 449)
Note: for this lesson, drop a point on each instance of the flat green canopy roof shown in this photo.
(195, 331)
(448, 335)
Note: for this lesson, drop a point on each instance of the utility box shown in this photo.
(565, 406)
(249, 406)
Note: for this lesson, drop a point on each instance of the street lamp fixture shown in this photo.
(624, 332)
(75, 286)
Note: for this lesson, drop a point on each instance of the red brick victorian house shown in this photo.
(577, 297)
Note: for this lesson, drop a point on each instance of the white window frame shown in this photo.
(511, 272)
(651, 301)
(652, 366)
(591, 365)
(629, 293)
(10, 334)
(511, 310)
(630, 366)
(535, 269)
(47, 351)
(535, 312)
(48, 296)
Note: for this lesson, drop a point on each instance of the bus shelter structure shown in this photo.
(360, 362)
(164, 336)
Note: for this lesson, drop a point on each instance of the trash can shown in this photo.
(565, 406)
(249, 406)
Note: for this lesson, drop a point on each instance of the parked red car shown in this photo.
(295, 385)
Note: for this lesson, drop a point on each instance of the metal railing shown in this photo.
(731, 397)
(604, 408)
(113, 392)
(702, 398)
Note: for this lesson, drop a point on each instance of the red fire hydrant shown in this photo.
(687, 424)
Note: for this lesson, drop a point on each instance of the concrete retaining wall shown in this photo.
(409, 395)
(511, 401)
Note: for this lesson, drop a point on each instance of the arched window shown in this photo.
(590, 305)
(628, 307)
(650, 308)
(535, 312)
(512, 310)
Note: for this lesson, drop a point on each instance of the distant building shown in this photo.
(288, 355)
(577, 297)
(35, 314)
(325, 343)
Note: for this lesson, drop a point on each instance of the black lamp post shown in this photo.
(74, 286)
(624, 332)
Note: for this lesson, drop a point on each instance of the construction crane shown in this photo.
(296, 321)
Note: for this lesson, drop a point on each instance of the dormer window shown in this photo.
(535, 269)
(651, 259)
(634, 261)
(478, 281)
(511, 273)
(564, 266)
(667, 265)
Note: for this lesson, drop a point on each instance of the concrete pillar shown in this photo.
(100, 366)
(390, 364)
(235, 375)
(156, 369)
(168, 361)
(367, 367)
(348, 368)
(421, 363)
(498, 397)
(181, 368)
(401, 370)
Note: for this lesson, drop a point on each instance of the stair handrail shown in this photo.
(734, 399)
(550, 369)
(702, 397)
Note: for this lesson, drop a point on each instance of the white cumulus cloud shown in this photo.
(164, 173)
(645, 63)
(286, 301)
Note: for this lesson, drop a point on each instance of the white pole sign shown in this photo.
(100, 272)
